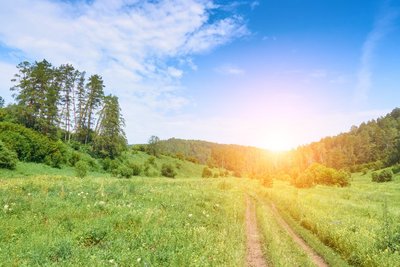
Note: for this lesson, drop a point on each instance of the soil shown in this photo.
(255, 257)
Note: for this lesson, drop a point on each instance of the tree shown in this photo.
(37, 91)
(95, 95)
(67, 78)
(110, 138)
(2, 102)
(153, 147)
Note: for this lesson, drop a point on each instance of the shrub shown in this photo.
(32, 146)
(152, 161)
(168, 170)
(320, 174)
(8, 158)
(396, 169)
(207, 173)
(135, 168)
(124, 171)
(383, 176)
(81, 169)
(265, 179)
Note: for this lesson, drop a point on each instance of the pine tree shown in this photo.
(95, 95)
(110, 138)
(37, 91)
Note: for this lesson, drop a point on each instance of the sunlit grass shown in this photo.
(159, 222)
(355, 220)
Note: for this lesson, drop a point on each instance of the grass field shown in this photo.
(360, 222)
(101, 220)
(53, 220)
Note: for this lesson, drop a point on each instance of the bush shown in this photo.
(396, 169)
(152, 161)
(207, 173)
(383, 176)
(8, 158)
(265, 179)
(320, 174)
(135, 168)
(168, 171)
(124, 171)
(81, 169)
(32, 146)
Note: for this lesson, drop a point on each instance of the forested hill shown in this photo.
(242, 160)
(372, 145)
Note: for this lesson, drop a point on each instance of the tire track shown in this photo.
(255, 257)
(316, 259)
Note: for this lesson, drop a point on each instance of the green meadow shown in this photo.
(58, 219)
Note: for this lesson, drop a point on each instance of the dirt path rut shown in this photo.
(255, 256)
(317, 260)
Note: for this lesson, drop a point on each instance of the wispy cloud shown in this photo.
(230, 70)
(380, 29)
(129, 42)
(254, 4)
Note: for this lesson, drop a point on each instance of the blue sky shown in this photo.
(273, 74)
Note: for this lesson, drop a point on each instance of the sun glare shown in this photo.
(278, 141)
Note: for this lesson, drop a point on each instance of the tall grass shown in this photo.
(58, 220)
(354, 221)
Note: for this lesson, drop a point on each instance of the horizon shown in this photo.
(269, 74)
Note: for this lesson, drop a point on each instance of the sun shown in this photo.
(278, 141)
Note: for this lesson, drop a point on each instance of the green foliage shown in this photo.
(382, 176)
(320, 174)
(152, 161)
(153, 146)
(168, 170)
(124, 171)
(81, 169)
(207, 173)
(396, 169)
(32, 146)
(8, 159)
(110, 140)
(136, 169)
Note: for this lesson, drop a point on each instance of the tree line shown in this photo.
(61, 103)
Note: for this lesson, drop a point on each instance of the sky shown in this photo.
(269, 73)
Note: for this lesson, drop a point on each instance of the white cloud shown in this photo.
(254, 4)
(129, 42)
(230, 70)
(381, 28)
(7, 72)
